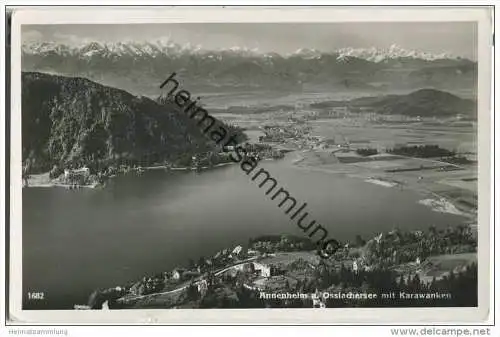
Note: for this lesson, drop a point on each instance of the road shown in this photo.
(217, 273)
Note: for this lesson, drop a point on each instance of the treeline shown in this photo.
(461, 287)
(283, 243)
(422, 151)
(456, 289)
(366, 152)
(402, 247)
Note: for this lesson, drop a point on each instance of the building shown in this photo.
(245, 267)
(252, 252)
(355, 266)
(84, 171)
(263, 269)
(77, 176)
(237, 250)
(202, 287)
(178, 273)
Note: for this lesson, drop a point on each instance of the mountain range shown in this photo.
(140, 66)
(169, 47)
(74, 121)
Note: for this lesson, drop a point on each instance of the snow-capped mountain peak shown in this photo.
(393, 52)
(167, 47)
(307, 53)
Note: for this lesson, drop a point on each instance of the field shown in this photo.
(341, 137)
(439, 266)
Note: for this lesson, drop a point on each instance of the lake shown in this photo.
(76, 241)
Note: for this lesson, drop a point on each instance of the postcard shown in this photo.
(250, 165)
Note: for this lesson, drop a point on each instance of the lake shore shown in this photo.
(317, 161)
(167, 291)
(43, 180)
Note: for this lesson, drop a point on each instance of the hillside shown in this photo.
(385, 263)
(74, 121)
(423, 103)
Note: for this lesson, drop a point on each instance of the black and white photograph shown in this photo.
(250, 165)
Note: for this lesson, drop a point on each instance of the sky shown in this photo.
(456, 38)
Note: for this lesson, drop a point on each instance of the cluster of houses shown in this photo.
(79, 176)
(281, 133)
(253, 267)
(196, 273)
(297, 134)
(261, 268)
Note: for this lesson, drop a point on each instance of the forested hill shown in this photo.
(423, 103)
(74, 121)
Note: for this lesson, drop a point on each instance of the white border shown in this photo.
(257, 316)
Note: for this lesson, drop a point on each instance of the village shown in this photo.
(409, 261)
(388, 150)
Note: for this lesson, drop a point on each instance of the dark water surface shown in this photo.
(77, 241)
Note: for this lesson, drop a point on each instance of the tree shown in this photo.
(55, 172)
(433, 230)
(451, 277)
(192, 292)
(402, 283)
(416, 282)
(433, 285)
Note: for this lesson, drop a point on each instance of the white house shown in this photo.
(252, 252)
(237, 250)
(263, 269)
(355, 266)
(202, 287)
(84, 171)
(177, 274)
(81, 172)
